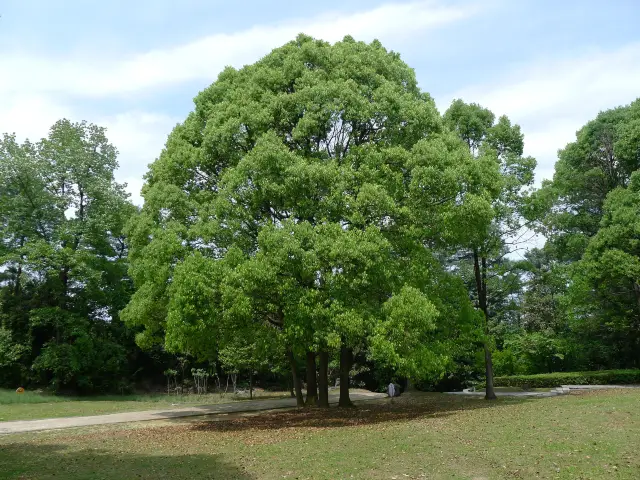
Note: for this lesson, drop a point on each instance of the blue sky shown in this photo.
(134, 66)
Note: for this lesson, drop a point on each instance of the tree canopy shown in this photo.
(316, 213)
(307, 193)
(64, 258)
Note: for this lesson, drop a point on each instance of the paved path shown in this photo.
(21, 426)
(561, 390)
(480, 393)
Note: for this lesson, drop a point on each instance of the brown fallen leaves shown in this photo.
(275, 427)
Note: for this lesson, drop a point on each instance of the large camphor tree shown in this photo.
(304, 197)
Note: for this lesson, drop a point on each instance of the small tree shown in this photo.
(244, 356)
(172, 380)
(200, 379)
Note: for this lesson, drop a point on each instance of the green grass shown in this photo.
(33, 405)
(592, 435)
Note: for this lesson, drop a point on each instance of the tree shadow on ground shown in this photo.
(402, 409)
(48, 461)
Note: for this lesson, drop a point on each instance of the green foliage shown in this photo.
(589, 291)
(602, 158)
(552, 380)
(497, 148)
(505, 362)
(536, 352)
(605, 295)
(292, 209)
(63, 259)
(10, 352)
(317, 201)
(401, 338)
(12, 367)
(545, 282)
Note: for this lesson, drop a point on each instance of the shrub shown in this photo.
(551, 380)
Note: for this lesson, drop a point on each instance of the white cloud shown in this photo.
(42, 89)
(552, 98)
(30, 116)
(139, 137)
(204, 58)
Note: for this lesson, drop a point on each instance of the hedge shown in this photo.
(552, 380)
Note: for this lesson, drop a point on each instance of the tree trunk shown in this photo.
(16, 289)
(312, 386)
(290, 387)
(251, 385)
(481, 289)
(296, 379)
(323, 379)
(488, 363)
(345, 368)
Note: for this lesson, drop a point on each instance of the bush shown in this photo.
(551, 380)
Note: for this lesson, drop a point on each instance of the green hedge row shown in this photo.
(552, 380)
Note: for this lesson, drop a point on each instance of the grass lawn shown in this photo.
(588, 435)
(31, 405)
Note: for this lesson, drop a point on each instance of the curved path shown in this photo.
(21, 426)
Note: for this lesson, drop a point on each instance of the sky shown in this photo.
(135, 66)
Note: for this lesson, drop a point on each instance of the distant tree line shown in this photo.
(316, 220)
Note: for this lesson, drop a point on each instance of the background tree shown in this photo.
(606, 284)
(498, 148)
(64, 257)
(589, 224)
(602, 158)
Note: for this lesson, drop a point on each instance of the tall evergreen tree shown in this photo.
(498, 148)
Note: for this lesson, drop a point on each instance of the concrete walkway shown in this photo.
(21, 426)
(480, 393)
(561, 390)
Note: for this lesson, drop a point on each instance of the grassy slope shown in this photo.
(593, 435)
(32, 405)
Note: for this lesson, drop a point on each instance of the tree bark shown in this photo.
(290, 387)
(481, 289)
(636, 291)
(16, 289)
(323, 379)
(345, 367)
(296, 379)
(312, 386)
(488, 362)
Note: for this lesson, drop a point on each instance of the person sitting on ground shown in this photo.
(397, 390)
(391, 390)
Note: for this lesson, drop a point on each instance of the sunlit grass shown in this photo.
(592, 435)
